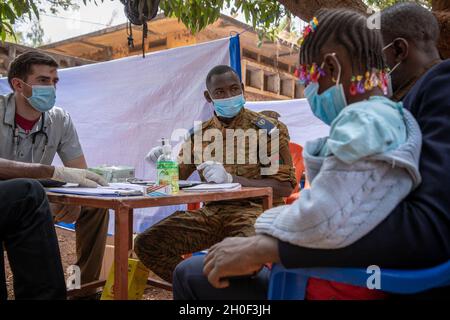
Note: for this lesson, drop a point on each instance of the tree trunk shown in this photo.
(441, 10)
(440, 5)
(305, 9)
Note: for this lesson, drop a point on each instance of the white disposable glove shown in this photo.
(82, 177)
(215, 172)
(154, 154)
(65, 213)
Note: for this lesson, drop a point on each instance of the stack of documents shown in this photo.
(213, 187)
(113, 190)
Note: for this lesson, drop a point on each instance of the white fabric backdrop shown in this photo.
(297, 116)
(121, 108)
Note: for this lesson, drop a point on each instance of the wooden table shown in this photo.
(123, 211)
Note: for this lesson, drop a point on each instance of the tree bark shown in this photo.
(441, 10)
(305, 10)
(440, 5)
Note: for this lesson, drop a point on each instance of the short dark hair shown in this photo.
(21, 66)
(218, 70)
(410, 21)
(349, 29)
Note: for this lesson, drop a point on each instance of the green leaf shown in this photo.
(263, 15)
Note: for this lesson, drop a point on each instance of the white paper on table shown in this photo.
(214, 187)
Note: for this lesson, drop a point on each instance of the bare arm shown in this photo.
(79, 163)
(12, 170)
(280, 188)
(239, 256)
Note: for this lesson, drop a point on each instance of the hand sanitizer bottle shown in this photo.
(167, 168)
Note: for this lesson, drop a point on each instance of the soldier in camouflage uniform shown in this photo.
(161, 246)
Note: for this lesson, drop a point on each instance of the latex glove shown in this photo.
(215, 172)
(65, 213)
(82, 177)
(154, 154)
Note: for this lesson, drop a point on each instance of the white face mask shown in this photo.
(390, 91)
(396, 66)
(389, 75)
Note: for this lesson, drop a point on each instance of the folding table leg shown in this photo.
(267, 202)
(121, 249)
(130, 229)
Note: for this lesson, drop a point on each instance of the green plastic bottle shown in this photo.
(167, 168)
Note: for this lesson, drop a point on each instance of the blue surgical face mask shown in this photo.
(327, 105)
(229, 107)
(43, 98)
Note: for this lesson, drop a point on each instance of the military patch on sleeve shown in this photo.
(263, 123)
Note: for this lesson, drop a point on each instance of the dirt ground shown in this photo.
(67, 248)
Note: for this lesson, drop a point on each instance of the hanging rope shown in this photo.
(130, 35)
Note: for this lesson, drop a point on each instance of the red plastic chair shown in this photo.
(194, 206)
(297, 159)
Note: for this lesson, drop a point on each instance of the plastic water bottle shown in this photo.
(167, 168)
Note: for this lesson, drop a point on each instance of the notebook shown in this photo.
(213, 187)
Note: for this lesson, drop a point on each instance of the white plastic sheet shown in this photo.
(297, 116)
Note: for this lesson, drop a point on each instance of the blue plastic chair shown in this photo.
(290, 284)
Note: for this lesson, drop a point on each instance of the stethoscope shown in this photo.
(41, 131)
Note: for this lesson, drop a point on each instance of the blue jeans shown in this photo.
(189, 283)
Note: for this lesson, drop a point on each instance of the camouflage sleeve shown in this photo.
(286, 171)
(186, 159)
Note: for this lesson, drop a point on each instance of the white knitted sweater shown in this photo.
(346, 201)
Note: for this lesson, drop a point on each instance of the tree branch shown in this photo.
(305, 9)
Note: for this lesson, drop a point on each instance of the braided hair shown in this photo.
(349, 29)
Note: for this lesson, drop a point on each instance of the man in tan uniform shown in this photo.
(161, 246)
